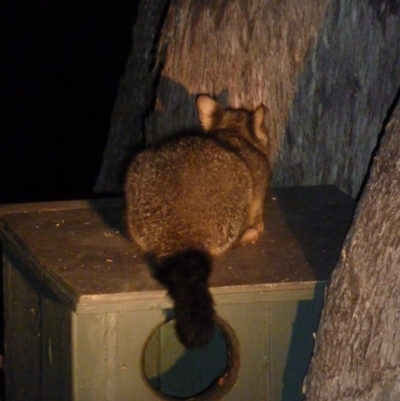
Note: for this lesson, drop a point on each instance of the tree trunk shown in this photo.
(344, 93)
(316, 65)
(133, 99)
(357, 352)
(244, 52)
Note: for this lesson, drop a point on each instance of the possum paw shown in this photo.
(250, 236)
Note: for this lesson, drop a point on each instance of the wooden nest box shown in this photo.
(85, 319)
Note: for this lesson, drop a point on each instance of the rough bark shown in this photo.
(134, 97)
(357, 351)
(343, 95)
(327, 71)
(244, 52)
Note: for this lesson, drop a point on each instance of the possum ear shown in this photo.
(209, 110)
(259, 124)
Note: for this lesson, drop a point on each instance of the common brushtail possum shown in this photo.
(193, 197)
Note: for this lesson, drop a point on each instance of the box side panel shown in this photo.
(292, 326)
(89, 356)
(22, 335)
(56, 351)
(282, 325)
(107, 355)
(250, 323)
(126, 369)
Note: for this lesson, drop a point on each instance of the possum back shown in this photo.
(189, 193)
(192, 198)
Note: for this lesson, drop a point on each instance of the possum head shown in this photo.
(249, 124)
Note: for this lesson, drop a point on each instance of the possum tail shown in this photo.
(185, 274)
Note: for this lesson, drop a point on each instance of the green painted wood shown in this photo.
(89, 361)
(292, 331)
(250, 323)
(180, 372)
(22, 332)
(79, 293)
(107, 355)
(305, 228)
(56, 349)
(265, 332)
(38, 346)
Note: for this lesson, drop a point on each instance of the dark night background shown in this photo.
(61, 62)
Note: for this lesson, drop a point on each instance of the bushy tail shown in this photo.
(185, 275)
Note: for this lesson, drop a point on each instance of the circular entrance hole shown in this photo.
(200, 374)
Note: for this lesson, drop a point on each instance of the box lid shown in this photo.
(80, 249)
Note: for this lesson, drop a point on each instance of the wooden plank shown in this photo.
(222, 295)
(60, 205)
(258, 290)
(66, 248)
(56, 350)
(107, 355)
(250, 322)
(283, 315)
(22, 335)
(126, 368)
(89, 356)
(291, 329)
